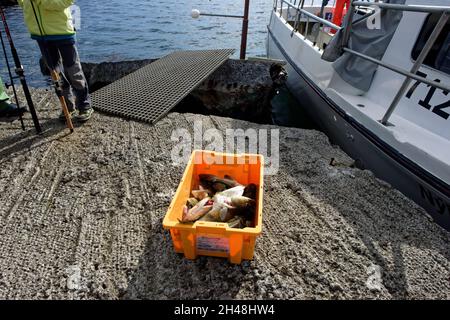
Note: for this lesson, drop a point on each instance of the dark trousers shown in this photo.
(62, 55)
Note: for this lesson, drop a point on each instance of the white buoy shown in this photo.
(195, 13)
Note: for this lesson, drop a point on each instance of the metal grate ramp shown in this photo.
(152, 91)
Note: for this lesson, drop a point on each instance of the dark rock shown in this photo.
(238, 89)
(99, 75)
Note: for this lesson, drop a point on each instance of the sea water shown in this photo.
(118, 30)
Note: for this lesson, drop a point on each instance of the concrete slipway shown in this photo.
(81, 217)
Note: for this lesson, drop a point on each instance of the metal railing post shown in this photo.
(423, 54)
(244, 34)
(348, 24)
(405, 7)
(435, 84)
(307, 27)
(245, 30)
(322, 11)
(301, 4)
(314, 17)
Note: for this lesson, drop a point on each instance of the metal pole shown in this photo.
(307, 27)
(221, 15)
(404, 7)
(21, 74)
(299, 16)
(245, 30)
(426, 49)
(401, 71)
(323, 21)
(322, 10)
(348, 24)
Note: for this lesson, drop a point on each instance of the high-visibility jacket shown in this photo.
(55, 19)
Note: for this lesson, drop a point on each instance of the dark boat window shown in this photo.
(439, 56)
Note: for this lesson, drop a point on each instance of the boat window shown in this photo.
(439, 56)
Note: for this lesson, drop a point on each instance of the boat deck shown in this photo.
(81, 217)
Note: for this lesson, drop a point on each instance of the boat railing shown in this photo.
(409, 74)
(299, 12)
(412, 73)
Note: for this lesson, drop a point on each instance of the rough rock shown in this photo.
(99, 75)
(238, 89)
(81, 217)
(241, 89)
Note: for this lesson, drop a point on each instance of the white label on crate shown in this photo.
(209, 243)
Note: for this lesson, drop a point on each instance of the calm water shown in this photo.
(123, 29)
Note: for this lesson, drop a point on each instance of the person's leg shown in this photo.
(75, 75)
(52, 59)
(67, 92)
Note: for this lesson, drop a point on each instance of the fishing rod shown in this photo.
(20, 74)
(54, 75)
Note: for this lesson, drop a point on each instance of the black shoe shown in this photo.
(8, 110)
(85, 115)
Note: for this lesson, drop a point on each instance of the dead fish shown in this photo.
(210, 192)
(213, 215)
(216, 183)
(200, 194)
(226, 214)
(191, 202)
(219, 186)
(224, 202)
(242, 202)
(237, 223)
(250, 191)
(245, 207)
(198, 211)
(235, 191)
(220, 204)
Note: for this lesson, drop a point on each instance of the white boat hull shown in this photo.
(366, 148)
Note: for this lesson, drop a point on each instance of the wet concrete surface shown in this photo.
(81, 218)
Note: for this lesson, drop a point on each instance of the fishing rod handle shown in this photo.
(56, 80)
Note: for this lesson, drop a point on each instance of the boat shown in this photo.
(375, 77)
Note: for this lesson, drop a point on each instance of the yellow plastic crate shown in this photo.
(212, 238)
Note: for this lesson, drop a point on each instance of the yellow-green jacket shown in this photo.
(54, 17)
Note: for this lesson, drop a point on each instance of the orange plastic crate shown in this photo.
(212, 238)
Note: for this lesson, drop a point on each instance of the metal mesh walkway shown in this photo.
(152, 91)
